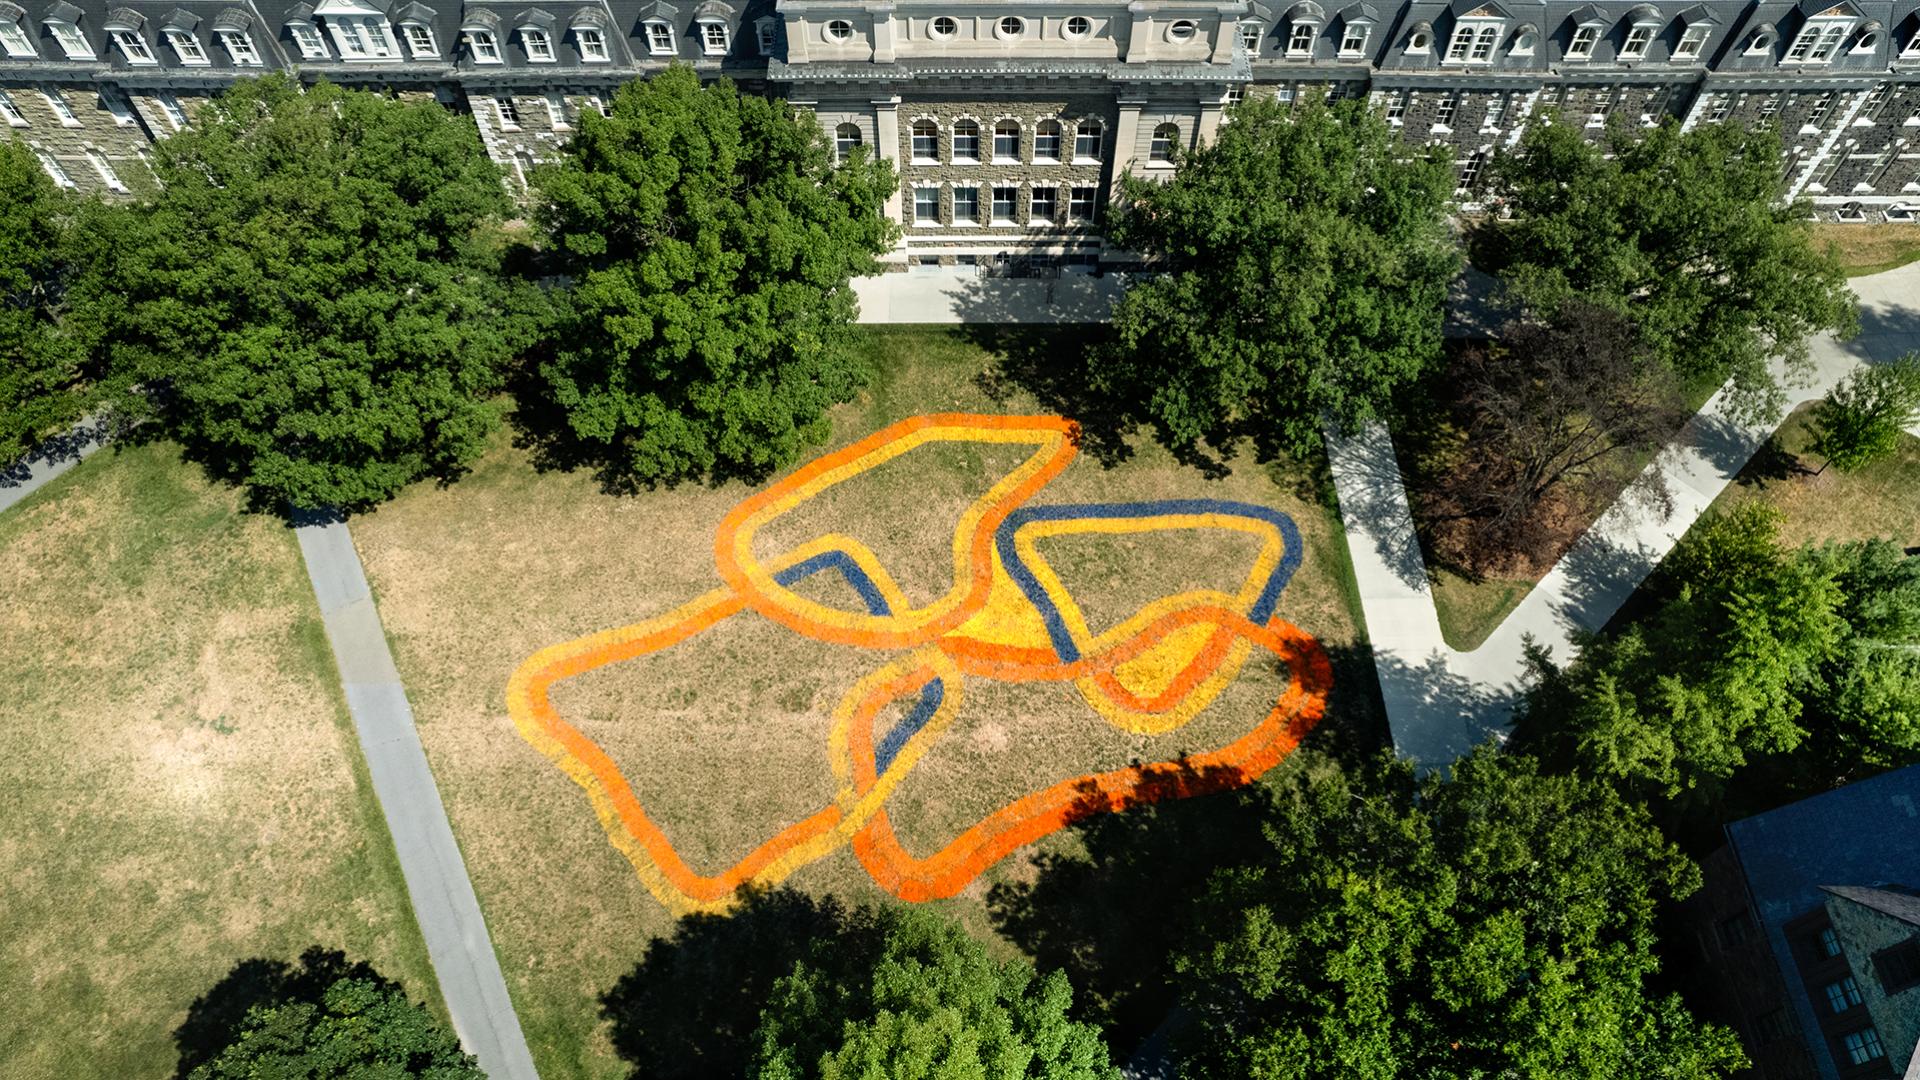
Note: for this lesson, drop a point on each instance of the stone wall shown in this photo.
(99, 148)
(1024, 174)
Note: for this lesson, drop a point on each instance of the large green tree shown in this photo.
(710, 237)
(40, 363)
(1497, 924)
(359, 1028)
(1862, 419)
(1681, 231)
(931, 1005)
(311, 296)
(1303, 260)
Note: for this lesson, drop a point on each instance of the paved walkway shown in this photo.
(1440, 701)
(50, 459)
(443, 900)
(962, 296)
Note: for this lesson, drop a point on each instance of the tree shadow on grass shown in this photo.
(689, 1008)
(214, 1018)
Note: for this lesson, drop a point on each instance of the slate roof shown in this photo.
(1898, 903)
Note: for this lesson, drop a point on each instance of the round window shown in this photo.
(1523, 43)
(839, 30)
(944, 27)
(1079, 26)
(1181, 30)
(1419, 42)
(1867, 39)
(1761, 41)
(1012, 26)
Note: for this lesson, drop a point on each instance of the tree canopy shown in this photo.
(1861, 420)
(1681, 231)
(311, 295)
(40, 362)
(1498, 924)
(709, 236)
(1304, 259)
(931, 1005)
(360, 1028)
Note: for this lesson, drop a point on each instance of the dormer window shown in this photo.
(308, 40)
(419, 39)
(591, 43)
(1912, 51)
(1761, 41)
(1581, 46)
(1524, 41)
(485, 47)
(1300, 39)
(764, 32)
(187, 47)
(1250, 35)
(131, 44)
(1353, 39)
(1691, 42)
(659, 38)
(240, 47)
(1635, 47)
(1420, 39)
(72, 41)
(360, 32)
(1473, 42)
(538, 45)
(1819, 40)
(713, 38)
(14, 38)
(1869, 37)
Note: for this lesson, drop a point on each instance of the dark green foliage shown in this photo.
(710, 239)
(929, 1006)
(1752, 649)
(1861, 420)
(1306, 262)
(360, 1028)
(40, 364)
(312, 293)
(1500, 924)
(1680, 231)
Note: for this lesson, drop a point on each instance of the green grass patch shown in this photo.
(1880, 500)
(1469, 610)
(184, 791)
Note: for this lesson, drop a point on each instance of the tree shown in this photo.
(311, 293)
(1543, 417)
(1304, 259)
(1680, 231)
(40, 363)
(1863, 709)
(710, 238)
(360, 1028)
(932, 1005)
(1861, 420)
(1497, 924)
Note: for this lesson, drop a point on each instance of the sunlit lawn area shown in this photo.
(181, 789)
(1870, 249)
(724, 737)
(1880, 500)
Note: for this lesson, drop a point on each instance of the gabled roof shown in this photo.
(1815, 9)
(1897, 903)
(1479, 9)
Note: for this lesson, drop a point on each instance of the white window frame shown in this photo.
(170, 106)
(659, 37)
(308, 39)
(914, 144)
(1251, 34)
(239, 48)
(1474, 41)
(418, 38)
(104, 169)
(538, 44)
(1092, 203)
(1397, 103)
(1693, 42)
(73, 41)
(1098, 135)
(843, 145)
(1818, 41)
(1300, 38)
(485, 47)
(362, 37)
(1076, 27)
(117, 104)
(557, 111)
(1010, 28)
(1639, 36)
(62, 110)
(953, 142)
(591, 41)
(54, 169)
(765, 35)
(1496, 113)
(973, 191)
(10, 112)
(1585, 37)
(709, 28)
(1470, 172)
(1012, 216)
(506, 112)
(1353, 39)
(1913, 46)
(921, 194)
(1018, 136)
(1160, 146)
(16, 41)
(1034, 214)
(186, 47)
(134, 48)
(1444, 113)
(1059, 141)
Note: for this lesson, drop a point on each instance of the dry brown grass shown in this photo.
(1880, 500)
(181, 790)
(1869, 249)
(724, 736)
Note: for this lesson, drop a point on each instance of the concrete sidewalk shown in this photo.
(50, 459)
(962, 296)
(443, 900)
(1440, 701)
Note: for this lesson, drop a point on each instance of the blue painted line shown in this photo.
(1063, 646)
(931, 695)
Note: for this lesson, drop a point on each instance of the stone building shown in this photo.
(1808, 931)
(1008, 121)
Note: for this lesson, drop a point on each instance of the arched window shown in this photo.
(846, 139)
(1164, 138)
(1006, 140)
(926, 142)
(1250, 35)
(1046, 141)
(1086, 141)
(966, 141)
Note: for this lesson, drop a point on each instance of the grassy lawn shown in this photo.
(724, 736)
(182, 787)
(1870, 249)
(1471, 610)
(1880, 500)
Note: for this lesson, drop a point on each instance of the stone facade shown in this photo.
(1840, 78)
